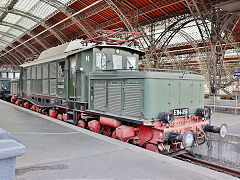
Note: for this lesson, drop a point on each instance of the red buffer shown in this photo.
(94, 126)
(52, 113)
(26, 105)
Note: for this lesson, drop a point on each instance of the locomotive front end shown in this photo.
(161, 111)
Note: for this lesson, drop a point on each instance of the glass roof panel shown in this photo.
(12, 18)
(7, 39)
(25, 5)
(3, 3)
(4, 28)
(26, 23)
(15, 32)
(42, 10)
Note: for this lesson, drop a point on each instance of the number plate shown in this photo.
(180, 112)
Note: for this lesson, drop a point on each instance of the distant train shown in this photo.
(99, 87)
(6, 75)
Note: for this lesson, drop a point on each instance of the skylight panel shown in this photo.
(26, 23)
(15, 32)
(3, 3)
(42, 10)
(4, 28)
(25, 5)
(5, 38)
(12, 18)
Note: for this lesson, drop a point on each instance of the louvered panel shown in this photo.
(45, 86)
(132, 100)
(34, 72)
(53, 87)
(28, 85)
(45, 71)
(115, 97)
(39, 72)
(99, 96)
(53, 70)
(29, 73)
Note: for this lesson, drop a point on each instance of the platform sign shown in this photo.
(236, 74)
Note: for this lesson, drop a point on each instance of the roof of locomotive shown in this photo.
(70, 48)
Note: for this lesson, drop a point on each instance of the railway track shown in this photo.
(214, 166)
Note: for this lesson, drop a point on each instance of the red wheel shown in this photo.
(60, 117)
(65, 117)
(26, 105)
(81, 123)
(52, 113)
(17, 102)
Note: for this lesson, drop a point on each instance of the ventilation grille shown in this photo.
(45, 86)
(29, 73)
(34, 72)
(53, 70)
(53, 87)
(100, 96)
(39, 72)
(28, 85)
(14, 88)
(115, 97)
(45, 71)
(132, 101)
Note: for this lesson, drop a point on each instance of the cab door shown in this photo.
(61, 81)
(72, 76)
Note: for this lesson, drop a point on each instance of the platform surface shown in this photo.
(57, 151)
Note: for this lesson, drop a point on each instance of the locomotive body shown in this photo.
(6, 76)
(99, 87)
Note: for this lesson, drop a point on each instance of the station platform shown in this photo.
(232, 121)
(57, 150)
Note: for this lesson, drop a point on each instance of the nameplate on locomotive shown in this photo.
(180, 112)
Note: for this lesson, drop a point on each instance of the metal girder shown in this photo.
(222, 26)
(20, 13)
(115, 7)
(53, 26)
(58, 5)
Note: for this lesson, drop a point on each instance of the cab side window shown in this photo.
(131, 62)
(61, 69)
(101, 61)
(117, 62)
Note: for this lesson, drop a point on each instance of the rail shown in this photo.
(214, 166)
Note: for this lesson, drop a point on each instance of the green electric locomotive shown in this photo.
(100, 87)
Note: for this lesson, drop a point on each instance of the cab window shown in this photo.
(131, 62)
(17, 75)
(61, 69)
(73, 66)
(101, 61)
(10, 75)
(4, 75)
(117, 62)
